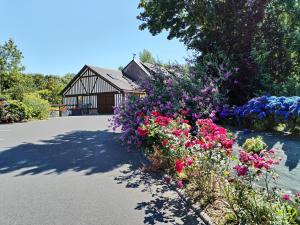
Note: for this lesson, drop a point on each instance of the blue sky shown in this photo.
(60, 36)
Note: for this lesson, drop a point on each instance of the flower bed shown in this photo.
(267, 112)
(199, 159)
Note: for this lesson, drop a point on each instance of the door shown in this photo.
(105, 103)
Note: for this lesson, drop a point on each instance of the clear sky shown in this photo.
(60, 36)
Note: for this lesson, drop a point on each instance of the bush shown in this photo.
(171, 95)
(15, 111)
(267, 112)
(201, 162)
(39, 107)
(254, 144)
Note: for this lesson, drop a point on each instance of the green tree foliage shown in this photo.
(10, 65)
(260, 37)
(14, 84)
(49, 86)
(276, 49)
(146, 56)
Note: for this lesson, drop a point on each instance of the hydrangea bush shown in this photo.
(266, 112)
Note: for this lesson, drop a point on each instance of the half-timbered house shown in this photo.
(97, 90)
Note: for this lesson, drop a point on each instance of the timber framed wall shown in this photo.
(83, 90)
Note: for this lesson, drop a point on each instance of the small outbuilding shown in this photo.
(96, 90)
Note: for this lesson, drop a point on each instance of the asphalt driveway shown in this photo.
(72, 171)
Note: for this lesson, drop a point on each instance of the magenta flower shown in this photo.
(286, 197)
(241, 170)
(180, 184)
(189, 161)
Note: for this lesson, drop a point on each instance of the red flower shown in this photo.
(177, 132)
(186, 133)
(189, 144)
(162, 120)
(142, 132)
(184, 112)
(227, 143)
(179, 166)
(184, 121)
(165, 142)
(140, 114)
(155, 113)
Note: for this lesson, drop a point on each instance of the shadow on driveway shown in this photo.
(166, 207)
(88, 151)
(95, 152)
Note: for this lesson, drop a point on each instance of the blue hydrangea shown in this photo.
(262, 115)
(282, 108)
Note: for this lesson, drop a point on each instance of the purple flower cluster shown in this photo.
(169, 95)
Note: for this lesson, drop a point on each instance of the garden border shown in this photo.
(203, 216)
(199, 212)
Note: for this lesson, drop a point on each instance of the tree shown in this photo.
(228, 27)
(10, 64)
(146, 56)
(276, 50)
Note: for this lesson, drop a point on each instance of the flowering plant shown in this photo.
(266, 112)
(200, 160)
(171, 95)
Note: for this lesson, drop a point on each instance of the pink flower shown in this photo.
(189, 161)
(180, 184)
(179, 166)
(146, 120)
(272, 151)
(241, 170)
(298, 194)
(286, 197)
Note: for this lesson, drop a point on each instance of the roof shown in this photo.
(115, 77)
(160, 69)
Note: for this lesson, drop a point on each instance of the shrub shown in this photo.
(15, 111)
(171, 95)
(254, 144)
(201, 161)
(266, 112)
(40, 108)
